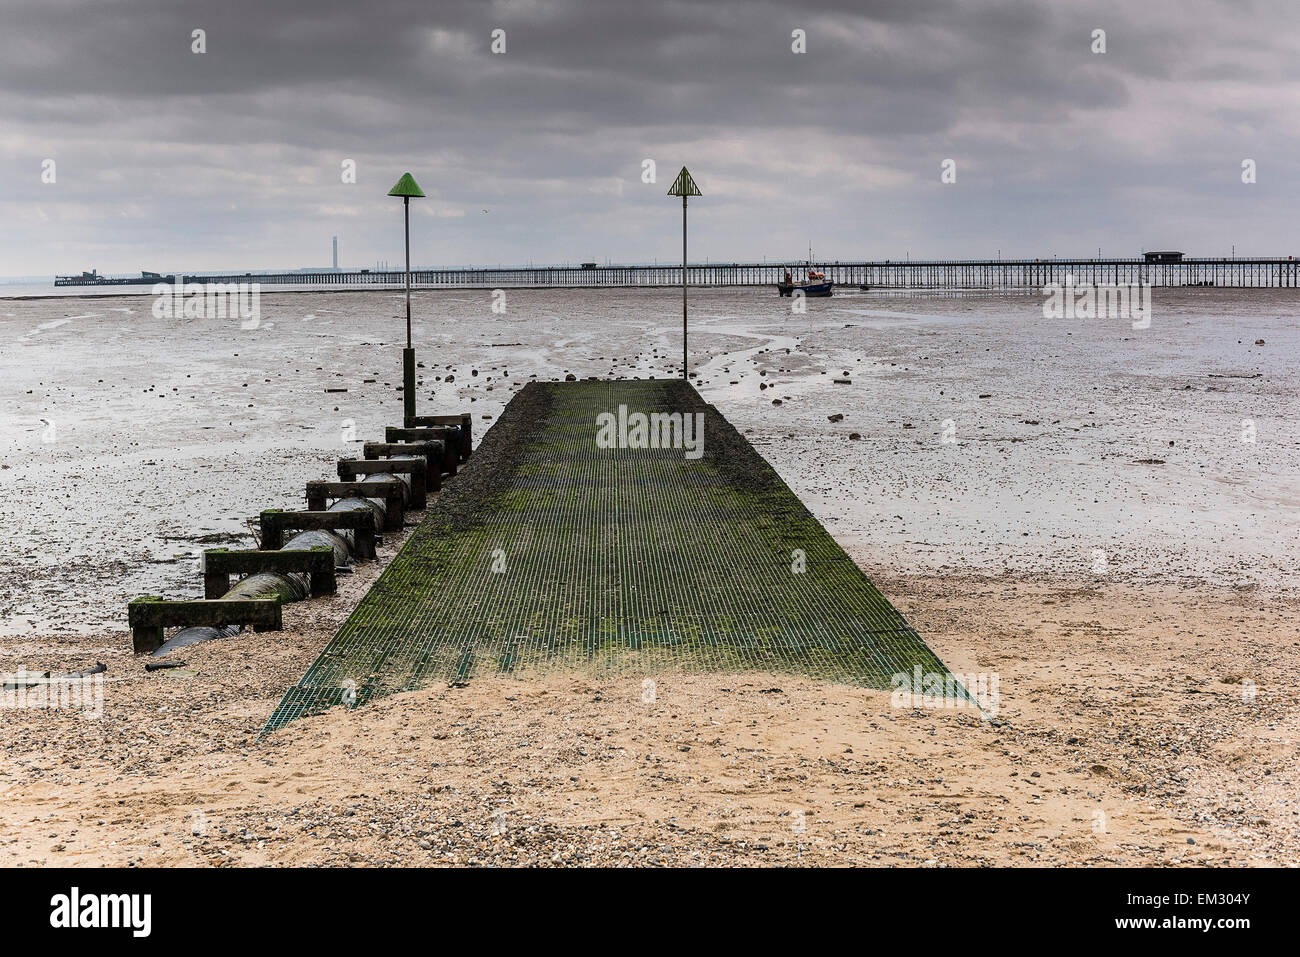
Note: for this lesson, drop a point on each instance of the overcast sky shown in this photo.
(166, 159)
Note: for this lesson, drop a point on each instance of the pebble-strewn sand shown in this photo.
(1137, 599)
(1123, 736)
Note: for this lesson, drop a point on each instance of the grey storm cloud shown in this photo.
(231, 158)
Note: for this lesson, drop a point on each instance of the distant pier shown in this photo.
(989, 274)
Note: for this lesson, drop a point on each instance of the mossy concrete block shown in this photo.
(393, 493)
(448, 435)
(148, 615)
(361, 524)
(317, 563)
(433, 451)
(415, 467)
(463, 420)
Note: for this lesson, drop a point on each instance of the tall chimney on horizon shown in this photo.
(336, 254)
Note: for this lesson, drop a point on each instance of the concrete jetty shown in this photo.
(584, 537)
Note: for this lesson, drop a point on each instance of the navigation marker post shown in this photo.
(684, 186)
(407, 187)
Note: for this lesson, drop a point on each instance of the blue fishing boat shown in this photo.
(815, 285)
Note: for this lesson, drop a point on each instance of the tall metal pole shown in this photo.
(406, 215)
(406, 187)
(408, 355)
(684, 186)
(684, 360)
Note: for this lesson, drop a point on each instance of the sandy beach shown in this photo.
(1124, 736)
(1074, 507)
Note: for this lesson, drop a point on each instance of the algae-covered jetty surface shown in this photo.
(560, 546)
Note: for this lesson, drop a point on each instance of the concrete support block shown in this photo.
(220, 564)
(148, 615)
(448, 435)
(413, 466)
(361, 523)
(463, 420)
(432, 450)
(393, 494)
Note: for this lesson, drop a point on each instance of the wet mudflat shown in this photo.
(987, 436)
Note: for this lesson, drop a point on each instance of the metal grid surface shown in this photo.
(615, 561)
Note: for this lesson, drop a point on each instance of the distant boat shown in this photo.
(815, 285)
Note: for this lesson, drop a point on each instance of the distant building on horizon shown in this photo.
(336, 254)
